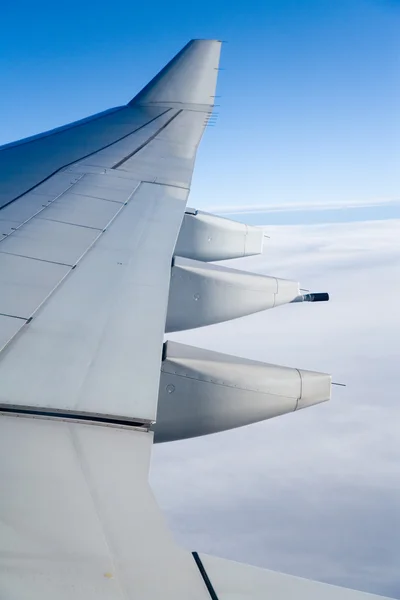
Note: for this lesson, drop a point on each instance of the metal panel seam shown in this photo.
(101, 231)
(93, 422)
(72, 267)
(29, 319)
(70, 416)
(150, 139)
(12, 316)
(96, 197)
(173, 185)
(225, 384)
(7, 235)
(6, 345)
(86, 156)
(75, 224)
(52, 262)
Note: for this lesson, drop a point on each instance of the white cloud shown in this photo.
(299, 207)
(314, 493)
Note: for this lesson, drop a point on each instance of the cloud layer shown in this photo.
(299, 207)
(316, 493)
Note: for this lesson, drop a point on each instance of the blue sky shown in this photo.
(310, 91)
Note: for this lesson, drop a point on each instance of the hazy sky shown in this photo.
(310, 91)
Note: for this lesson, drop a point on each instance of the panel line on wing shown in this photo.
(150, 139)
(97, 197)
(13, 316)
(86, 156)
(69, 223)
(26, 285)
(52, 262)
(208, 379)
(53, 241)
(172, 185)
(49, 202)
(109, 420)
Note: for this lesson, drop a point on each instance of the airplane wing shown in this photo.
(91, 215)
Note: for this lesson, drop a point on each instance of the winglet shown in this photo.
(189, 78)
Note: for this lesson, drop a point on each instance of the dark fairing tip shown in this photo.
(317, 297)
